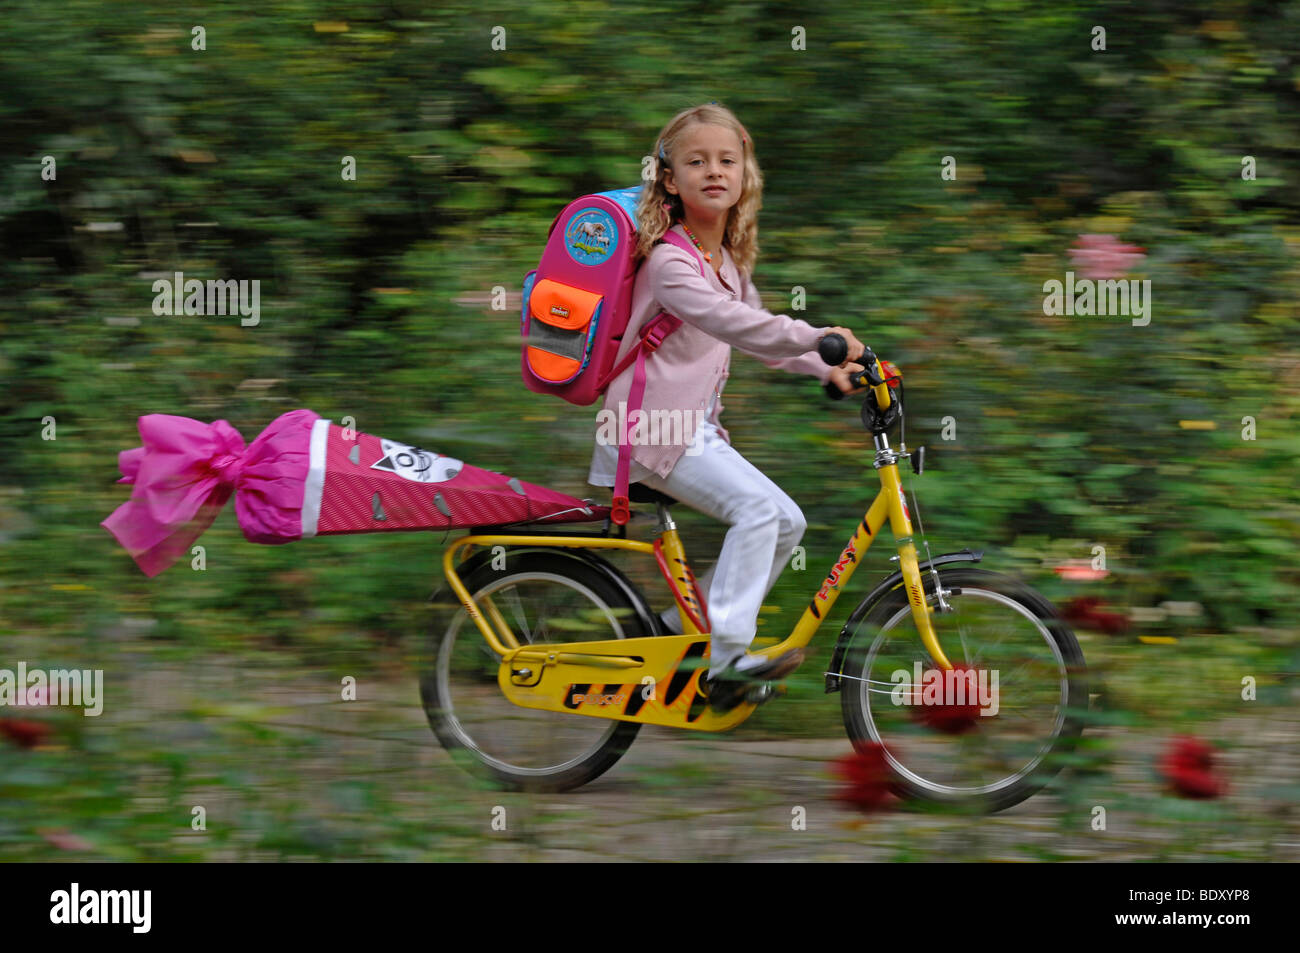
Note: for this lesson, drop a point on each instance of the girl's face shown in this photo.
(707, 169)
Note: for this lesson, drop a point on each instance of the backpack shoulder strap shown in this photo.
(654, 331)
(673, 238)
(652, 335)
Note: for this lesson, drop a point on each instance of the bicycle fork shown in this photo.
(900, 521)
(889, 505)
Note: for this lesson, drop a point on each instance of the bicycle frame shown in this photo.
(655, 679)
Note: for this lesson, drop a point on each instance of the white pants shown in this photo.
(765, 524)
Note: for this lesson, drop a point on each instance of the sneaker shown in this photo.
(728, 689)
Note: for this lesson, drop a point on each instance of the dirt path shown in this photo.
(675, 796)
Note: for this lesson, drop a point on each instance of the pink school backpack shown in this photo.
(576, 305)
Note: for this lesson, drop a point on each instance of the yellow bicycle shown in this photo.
(553, 659)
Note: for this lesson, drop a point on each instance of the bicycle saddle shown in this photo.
(640, 493)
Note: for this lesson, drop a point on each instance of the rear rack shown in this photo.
(547, 529)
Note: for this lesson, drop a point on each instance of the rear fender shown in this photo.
(650, 620)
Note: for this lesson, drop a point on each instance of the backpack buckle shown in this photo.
(654, 337)
(654, 333)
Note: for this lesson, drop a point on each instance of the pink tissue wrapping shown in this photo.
(185, 473)
(303, 476)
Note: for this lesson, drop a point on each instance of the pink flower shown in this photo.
(65, 840)
(1080, 570)
(1104, 256)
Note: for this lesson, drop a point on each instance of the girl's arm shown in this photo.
(681, 290)
(810, 363)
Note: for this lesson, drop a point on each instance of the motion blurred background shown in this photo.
(1067, 433)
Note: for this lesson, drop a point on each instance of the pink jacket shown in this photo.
(693, 362)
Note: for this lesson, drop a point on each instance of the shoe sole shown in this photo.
(734, 691)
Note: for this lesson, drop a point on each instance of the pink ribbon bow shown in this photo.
(187, 470)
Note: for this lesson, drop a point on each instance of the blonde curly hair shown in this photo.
(654, 220)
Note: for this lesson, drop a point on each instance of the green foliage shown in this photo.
(226, 162)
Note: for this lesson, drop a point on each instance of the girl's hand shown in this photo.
(856, 347)
(840, 377)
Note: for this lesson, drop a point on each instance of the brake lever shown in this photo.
(862, 379)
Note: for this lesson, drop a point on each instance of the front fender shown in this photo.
(869, 602)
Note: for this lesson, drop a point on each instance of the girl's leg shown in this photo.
(765, 526)
(793, 526)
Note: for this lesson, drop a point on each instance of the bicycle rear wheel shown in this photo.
(545, 597)
(949, 754)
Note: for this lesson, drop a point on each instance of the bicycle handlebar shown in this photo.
(834, 350)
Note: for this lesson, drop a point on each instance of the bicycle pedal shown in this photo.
(764, 692)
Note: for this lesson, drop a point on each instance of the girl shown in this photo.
(708, 187)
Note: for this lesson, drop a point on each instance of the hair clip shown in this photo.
(661, 151)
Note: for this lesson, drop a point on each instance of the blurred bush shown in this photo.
(226, 162)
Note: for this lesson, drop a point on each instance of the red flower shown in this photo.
(867, 775)
(1086, 612)
(25, 734)
(1104, 256)
(1189, 770)
(948, 716)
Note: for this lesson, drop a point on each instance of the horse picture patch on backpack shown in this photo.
(591, 236)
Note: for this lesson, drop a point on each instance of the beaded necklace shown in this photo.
(696, 242)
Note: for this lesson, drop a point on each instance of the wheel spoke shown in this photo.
(523, 745)
(517, 610)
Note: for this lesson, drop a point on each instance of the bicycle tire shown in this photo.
(471, 746)
(863, 721)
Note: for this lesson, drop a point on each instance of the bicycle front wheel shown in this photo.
(1031, 693)
(545, 598)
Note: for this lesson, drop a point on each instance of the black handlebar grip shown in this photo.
(833, 349)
